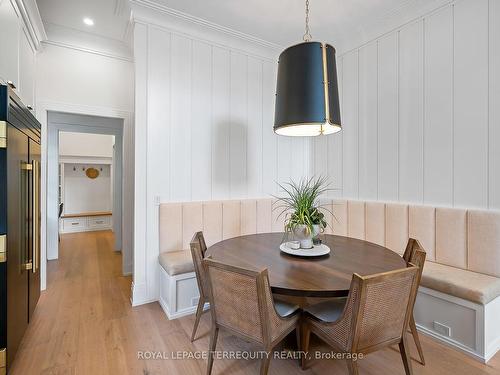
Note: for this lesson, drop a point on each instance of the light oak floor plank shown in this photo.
(84, 324)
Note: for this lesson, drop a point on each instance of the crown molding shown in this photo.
(120, 6)
(32, 21)
(87, 50)
(78, 40)
(196, 21)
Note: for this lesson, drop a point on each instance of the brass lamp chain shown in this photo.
(307, 36)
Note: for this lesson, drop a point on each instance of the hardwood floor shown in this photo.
(84, 324)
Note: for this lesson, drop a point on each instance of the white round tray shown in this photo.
(316, 251)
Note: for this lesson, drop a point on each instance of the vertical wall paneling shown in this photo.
(158, 133)
(388, 133)
(159, 111)
(471, 103)
(411, 86)
(285, 164)
(220, 123)
(350, 128)
(181, 115)
(334, 146)
(320, 160)
(212, 111)
(269, 139)
(438, 122)
(368, 144)
(201, 124)
(299, 157)
(238, 125)
(494, 105)
(254, 132)
(142, 258)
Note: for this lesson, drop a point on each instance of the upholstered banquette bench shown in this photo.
(459, 297)
(218, 220)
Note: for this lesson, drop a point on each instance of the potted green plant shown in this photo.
(303, 213)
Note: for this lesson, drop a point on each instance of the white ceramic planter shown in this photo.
(305, 237)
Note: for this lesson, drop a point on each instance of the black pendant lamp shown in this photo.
(307, 95)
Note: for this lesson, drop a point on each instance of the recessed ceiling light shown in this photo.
(88, 21)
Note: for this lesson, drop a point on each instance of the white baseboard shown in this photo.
(179, 314)
(451, 343)
(139, 295)
(494, 348)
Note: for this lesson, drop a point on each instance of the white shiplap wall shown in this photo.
(204, 116)
(209, 120)
(421, 112)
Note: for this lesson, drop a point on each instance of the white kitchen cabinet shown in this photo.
(26, 69)
(9, 42)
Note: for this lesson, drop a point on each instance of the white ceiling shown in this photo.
(110, 16)
(110, 34)
(280, 22)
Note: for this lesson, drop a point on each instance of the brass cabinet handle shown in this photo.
(26, 258)
(27, 266)
(3, 249)
(36, 214)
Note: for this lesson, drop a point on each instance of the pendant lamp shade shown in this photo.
(307, 95)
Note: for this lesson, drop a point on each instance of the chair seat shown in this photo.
(327, 311)
(285, 309)
(176, 262)
(468, 285)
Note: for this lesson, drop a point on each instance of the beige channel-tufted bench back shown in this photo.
(467, 239)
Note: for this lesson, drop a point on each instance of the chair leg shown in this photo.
(405, 355)
(264, 365)
(211, 348)
(416, 338)
(304, 347)
(299, 343)
(352, 367)
(199, 312)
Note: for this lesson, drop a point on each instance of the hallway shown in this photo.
(84, 324)
(82, 311)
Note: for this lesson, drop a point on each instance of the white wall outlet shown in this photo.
(442, 329)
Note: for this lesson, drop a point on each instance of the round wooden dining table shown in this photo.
(326, 276)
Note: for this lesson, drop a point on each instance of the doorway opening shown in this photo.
(86, 184)
(84, 179)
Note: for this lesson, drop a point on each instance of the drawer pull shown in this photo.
(99, 222)
(75, 223)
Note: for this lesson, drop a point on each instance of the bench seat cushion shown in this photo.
(468, 285)
(176, 262)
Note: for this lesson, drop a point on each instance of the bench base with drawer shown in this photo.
(179, 293)
(471, 327)
(85, 222)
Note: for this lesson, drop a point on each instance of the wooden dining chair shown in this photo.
(198, 249)
(410, 248)
(415, 254)
(241, 303)
(376, 315)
